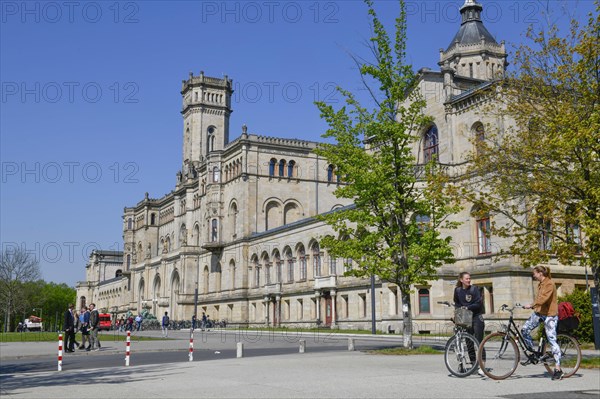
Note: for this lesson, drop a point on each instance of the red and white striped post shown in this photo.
(191, 344)
(128, 348)
(60, 349)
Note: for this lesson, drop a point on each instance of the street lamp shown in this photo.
(41, 319)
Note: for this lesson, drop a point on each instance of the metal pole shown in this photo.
(196, 302)
(373, 329)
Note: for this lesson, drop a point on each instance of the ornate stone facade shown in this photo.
(239, 227)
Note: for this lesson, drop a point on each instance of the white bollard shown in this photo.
(240, 349)
(128, 348)
(302, 345)
(60, 350)
(350, 344)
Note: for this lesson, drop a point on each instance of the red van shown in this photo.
(105, 322)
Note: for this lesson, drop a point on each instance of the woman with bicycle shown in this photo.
(468, 296)
(545, 308)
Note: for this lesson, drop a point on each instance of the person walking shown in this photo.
(69, 327)
(165, 325)
(84, 322)
(545, 308)
(94, 324)
(203, 321)
(193, 322)
(138, 322)
(468, 296)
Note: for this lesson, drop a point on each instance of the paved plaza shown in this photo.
(324, 373)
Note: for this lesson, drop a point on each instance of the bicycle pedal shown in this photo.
(528, 361)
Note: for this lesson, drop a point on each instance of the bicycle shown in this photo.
(460, 353)
(499, 354)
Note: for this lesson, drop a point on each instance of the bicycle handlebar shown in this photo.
(446, 303)
(506, 307)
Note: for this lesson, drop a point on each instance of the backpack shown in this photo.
(568, 319)
(167, 321)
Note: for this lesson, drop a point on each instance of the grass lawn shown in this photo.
(36, 336)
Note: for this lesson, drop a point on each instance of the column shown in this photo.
(267, 309)
(278, 309)
(318, 297)
(333, 307)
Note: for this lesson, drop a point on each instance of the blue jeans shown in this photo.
(550, 323)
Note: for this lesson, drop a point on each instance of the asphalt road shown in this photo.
(207, 347)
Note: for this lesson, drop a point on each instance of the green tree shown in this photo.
(51, 298)
(392, 230)
(17, 266)
(542, 172)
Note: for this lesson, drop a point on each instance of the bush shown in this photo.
(582, 303)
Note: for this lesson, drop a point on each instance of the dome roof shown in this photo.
(471, 29)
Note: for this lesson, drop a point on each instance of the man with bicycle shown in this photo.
(545, 308)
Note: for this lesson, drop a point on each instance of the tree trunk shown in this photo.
(8, 310)
(406, 319)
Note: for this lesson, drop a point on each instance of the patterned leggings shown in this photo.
(550, 323)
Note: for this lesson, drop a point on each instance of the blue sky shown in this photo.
(90, 104)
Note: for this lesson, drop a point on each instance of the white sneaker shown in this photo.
(481, 373)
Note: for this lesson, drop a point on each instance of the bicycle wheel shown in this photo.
(498, 356)
(570, 357)
(460, 355)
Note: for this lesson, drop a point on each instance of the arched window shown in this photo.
(332, 265)
(256, 273)
(483, 235)
(196, 238)
(479, 133)
(316, 260)
(232, 274)
(545, 234)
(291, 169)
(205, 276)
(233, 215)
(290, 265)
(129, 223)
(128, 261)
(272, 164)
(282, 168)
(218, 278)
(216, 174)
(152, 219)
(302, 263)
(430, 144)
(214, 230)
(119, 273)
(265, 264)
(210, 139)
(330, 173)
